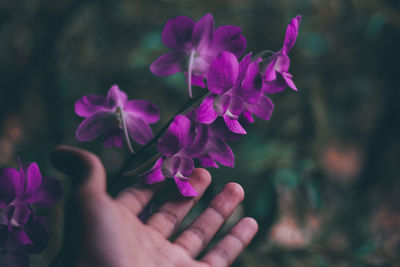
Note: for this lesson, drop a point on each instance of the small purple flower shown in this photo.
(235, 88)
(195, 45)
(276, 74)
(115, 117)
(178, 146)
(20, 229)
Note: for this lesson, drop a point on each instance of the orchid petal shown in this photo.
(176, 137)
(168, 64)
(186, 166)
(177, 33)
(198, 81)
(263, 108)
(33, 178)
(250, 89)
(90, 104)
(38, 234)
(205, 112)
(282, 63)
(18, 239)
(185, 188)
(143, 109)
(234, 125)
(203, 32)
(138, 129)
(288, 79)
(221, 152)
(171, 165)
(291, 34)
(50, 192)
(207, 161)
(275, 86)
(154, 175)
(270, 72)
(229, 38)
(20, 216)
(243, 66)
(222, 73)
(221, 103)
(11, 186)
(199, 141)
(93, 126)
(236, 105)
(113, 138)
(248, 116)
(116, 97)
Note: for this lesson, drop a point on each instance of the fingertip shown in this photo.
(235, 190)
(250, 223)
(202, 175)
(81, 165)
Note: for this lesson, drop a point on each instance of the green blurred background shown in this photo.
(321, 178)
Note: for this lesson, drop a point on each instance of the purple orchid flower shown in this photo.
(216, 148)
(20, 229)
(195, 45)
(235, 87)
(115, 117)
(276, 75)
(178, 146)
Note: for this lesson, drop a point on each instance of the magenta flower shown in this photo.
(115, 117)
(179, 146)
(276, 75)
(20, 229)
(235, 87)
(195, 45)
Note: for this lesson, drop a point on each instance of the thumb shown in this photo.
(85, 169)
(88, 182)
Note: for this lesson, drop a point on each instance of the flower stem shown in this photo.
(141, 167)
(125, 130)
(189, 75)
(263, 53)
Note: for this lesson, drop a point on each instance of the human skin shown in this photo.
(106, 232)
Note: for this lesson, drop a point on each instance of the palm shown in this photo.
(112, 234)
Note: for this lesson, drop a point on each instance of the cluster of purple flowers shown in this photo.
(238, 88)
(21, 230)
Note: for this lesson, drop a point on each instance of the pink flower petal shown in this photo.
(234, 125)
(207, 161)
(168, 64)
(229, 38)
(263, 108)
(154, 175)
(221, 152)
(177, 33)
(176, 137)
(116, 97)
(288, 79)
(93, 126)
(203, 32)
(11, 185)
(205, 112)
(138, 129)
(291, 34)
(185, 188)
(222, 73)
(90, 104)
(143, 109)
(113, 138)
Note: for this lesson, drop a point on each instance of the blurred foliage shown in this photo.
(322, 177)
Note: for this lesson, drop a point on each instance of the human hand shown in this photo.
(103, 231)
